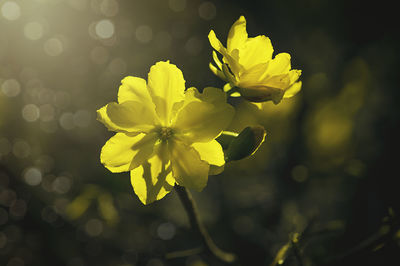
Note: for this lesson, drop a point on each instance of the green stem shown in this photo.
(196, 224)
(184, 253)
(297, 253)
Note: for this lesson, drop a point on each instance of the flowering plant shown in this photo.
(168, 136)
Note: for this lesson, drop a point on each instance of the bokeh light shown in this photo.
(144, 33)
(177, 5)
(10, 10)
(104, 29)
(207, 10)
(194, 46)
(34, 30)
(166, 231)
(67, 121)
(94, 227)
(33, 176)
(109, 8)
(10, 87)
(30, 112)
(53, 46)
(21, 148)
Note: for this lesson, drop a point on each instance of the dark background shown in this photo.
(329, 162)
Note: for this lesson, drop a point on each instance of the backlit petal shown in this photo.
(130, 116)
(281, 81)
(253, 75)
(217, 72)
(202, 121)
(133, 89)
(187, 167)
(279, 65)
(292, 90)
(123, 153)
(227, 58)
(215, 43)
(237, 34)
(255, 51)
(294, 75)
(166, 86)
(216, 60)
(210, 95)
(152, 180)
(210, 152)
(213, 95)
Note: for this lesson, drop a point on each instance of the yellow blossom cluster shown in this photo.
(166, 134)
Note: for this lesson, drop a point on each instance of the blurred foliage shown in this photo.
(327, 157)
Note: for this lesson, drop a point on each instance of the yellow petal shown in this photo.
(216, 60)
(215, 43)
(103, 118)
(166, 86)
(133, 89)
(191, 95)
(258, 105)
(187, 167)
(295, 86)
(227, 58)
(237, 34)
(281, 81)
(210, 94)
(230, 75)
(202, 121)
(294, 75)
(280, 64)
(123, 153)
(210, 152)
(153, 180)
(293, 90)
(213, 95)
(130, 116)
(255, 51)
(254, 75)
(217, 72)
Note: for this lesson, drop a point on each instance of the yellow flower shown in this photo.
(164, 133)
(247, 64)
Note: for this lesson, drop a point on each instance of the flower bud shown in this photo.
(226, 138)
(246, 143)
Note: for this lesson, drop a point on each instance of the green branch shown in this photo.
(199, 228)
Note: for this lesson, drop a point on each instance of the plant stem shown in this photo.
(297, 253)
(196, 224)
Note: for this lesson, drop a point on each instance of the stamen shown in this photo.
(165, 133)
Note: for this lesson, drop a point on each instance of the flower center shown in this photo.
(165, 133)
